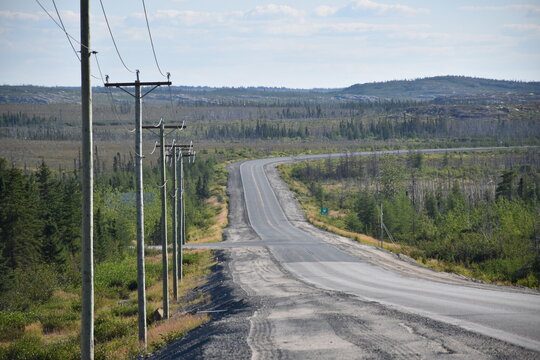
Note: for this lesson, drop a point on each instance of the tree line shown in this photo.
(40, 223)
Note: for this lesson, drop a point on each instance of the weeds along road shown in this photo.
(296, 292)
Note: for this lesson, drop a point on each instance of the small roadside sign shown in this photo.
(324, 211)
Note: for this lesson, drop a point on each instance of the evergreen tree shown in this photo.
(366, 208)
(20, 225)
(51, 249)
(506, 187)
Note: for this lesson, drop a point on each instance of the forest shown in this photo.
(40, 253)
(477, 211)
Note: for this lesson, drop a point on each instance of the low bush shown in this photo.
(116, 278)
(108, 327)
(125, 310)
(58, 321)
(33, 348)
(31, 285)
(12, 324)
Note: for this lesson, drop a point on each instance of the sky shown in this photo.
(288, 43)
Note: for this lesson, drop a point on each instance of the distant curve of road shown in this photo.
(496, 312)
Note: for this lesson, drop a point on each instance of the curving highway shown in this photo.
(504, 314)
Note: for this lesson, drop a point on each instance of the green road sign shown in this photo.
(324, 211)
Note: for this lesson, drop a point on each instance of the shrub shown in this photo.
(107, 328)
(58, 321)
(125, 310)
(12, 324)
(115, 278)
(191, 258)
(32, 348)
(32, 285)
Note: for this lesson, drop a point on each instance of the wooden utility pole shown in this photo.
(87, 303)
(164, 254)
(174, 154)
(141, 288)
(382, 226)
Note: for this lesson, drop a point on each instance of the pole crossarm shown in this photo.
(140, 83)
(178, 146)
(155, 85)
(182, 126)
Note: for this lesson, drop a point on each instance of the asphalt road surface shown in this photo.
(310, 294)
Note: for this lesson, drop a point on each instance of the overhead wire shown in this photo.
(111, 98)
(112, 37)
(152, 41)
(64, 29)
(69, 37)
(60, 26)
(173, 117)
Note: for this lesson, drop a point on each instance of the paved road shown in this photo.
(503, 314)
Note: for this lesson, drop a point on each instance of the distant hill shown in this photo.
(441, 89)
(440, 86)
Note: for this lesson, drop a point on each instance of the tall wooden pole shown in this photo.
(181, 217)
(175, 224)
(382, 227)
(141, 286)
(164, 254)
(87, 304)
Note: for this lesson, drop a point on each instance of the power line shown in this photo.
(112, 37)
(68, 35)
(60, 26)
(151, 41)
(111, 98)
(156, 59)
(64, 28)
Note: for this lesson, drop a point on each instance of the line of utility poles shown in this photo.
(164, 242)
(141, 286)
(87, 273)
(179, 228)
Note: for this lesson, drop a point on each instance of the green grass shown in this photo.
(50, 331)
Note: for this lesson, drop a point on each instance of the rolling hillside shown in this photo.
(441, 86)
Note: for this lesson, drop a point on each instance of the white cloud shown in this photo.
(325, 10)
(14, 15)
(523, 27)
(189, 17)
(353, 28)
(273, 10)
(359, 6)
(530, 8)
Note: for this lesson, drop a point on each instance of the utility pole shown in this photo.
(175, 225)
(382, 227)
(164, 254)
(182, 211)
(141, 287)
(87, 303)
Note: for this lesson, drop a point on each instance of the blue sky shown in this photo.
(294, 43)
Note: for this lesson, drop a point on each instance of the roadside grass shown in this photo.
(217, 208)
(51, 330)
